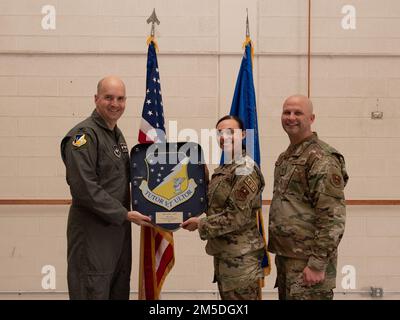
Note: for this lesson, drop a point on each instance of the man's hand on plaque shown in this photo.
(139, 219)
(191, 224)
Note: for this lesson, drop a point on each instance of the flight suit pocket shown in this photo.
(106, 167)
(108, 163)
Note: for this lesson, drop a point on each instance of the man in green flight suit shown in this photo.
(307, 214)
(96, 158)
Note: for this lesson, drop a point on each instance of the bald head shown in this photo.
(108, 81)
(110, 100)
(303, 101)
(297, 117)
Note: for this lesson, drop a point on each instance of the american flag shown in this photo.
(152, 127)
(156, 246)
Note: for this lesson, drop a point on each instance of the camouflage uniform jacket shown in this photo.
(234, 196)
(307, 213)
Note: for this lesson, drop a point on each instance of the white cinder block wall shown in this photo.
(48, 79)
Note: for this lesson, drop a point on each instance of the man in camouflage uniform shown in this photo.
(234, 197)
(307, 214)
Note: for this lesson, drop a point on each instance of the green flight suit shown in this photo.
(98, 234)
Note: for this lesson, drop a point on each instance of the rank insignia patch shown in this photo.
(79, 140)
(242, 193)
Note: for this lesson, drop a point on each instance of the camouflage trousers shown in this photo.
(250, 292)
(238, 277)
(290, 283)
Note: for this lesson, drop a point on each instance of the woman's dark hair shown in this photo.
(229, 117)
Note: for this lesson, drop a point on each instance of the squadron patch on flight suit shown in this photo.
(336, 180)
(251, 183)
(242, 193)
(117, 152)
(79, 140)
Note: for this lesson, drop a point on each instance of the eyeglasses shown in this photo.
(227, 132)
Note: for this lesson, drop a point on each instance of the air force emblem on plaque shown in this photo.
(168, 182)
(168, 185)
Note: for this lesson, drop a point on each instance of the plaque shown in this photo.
(168, 182)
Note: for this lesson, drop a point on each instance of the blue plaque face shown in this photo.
(168, 182)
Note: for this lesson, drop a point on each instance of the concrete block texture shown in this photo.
(48, 79)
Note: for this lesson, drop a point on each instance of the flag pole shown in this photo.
(147, 233)
(252, 125)
(157, 246)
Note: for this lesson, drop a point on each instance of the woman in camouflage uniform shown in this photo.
(230, 227)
